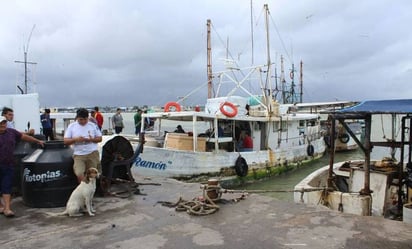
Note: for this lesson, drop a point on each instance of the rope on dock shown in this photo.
(206, 204)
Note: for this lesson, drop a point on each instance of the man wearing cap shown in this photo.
(9, 137)
(8, 113)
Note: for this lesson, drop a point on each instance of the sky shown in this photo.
(134, 52)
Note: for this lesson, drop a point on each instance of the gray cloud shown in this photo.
(123, 53)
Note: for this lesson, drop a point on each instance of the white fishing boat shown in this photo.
(343, 142)
(367, 187)
(279, 139)
(212, 143)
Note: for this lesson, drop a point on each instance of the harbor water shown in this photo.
(287, 181)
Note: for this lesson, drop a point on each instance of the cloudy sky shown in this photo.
(135, 52)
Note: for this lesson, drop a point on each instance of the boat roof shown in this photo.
(203, 116)
(391, 106)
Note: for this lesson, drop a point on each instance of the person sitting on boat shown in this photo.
(246, 142)
(179, 129)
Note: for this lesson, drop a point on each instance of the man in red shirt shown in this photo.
(99, 117)
(247, 144)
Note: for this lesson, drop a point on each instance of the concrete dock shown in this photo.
(255, 222)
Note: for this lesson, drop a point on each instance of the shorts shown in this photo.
(6, 179)
(84, 162)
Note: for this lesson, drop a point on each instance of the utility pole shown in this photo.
(25, 71)
(26, 62)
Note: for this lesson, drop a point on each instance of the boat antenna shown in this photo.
(251, 28)
(25, 62)
(301, 81)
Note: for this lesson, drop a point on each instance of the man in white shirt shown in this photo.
(84, 136)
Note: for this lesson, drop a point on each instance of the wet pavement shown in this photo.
(256, 222)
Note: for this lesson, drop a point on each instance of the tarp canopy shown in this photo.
(393, 106)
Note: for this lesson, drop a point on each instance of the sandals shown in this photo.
(8, 213)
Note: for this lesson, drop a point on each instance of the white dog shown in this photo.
(82, 196)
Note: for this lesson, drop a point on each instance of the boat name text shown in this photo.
(149, 164)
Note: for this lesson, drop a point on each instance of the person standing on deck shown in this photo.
(117, 121)
(47, 125)
(84, 136)
(138, 121)
(9, 137)
(99, 117)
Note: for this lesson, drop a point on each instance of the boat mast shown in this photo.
(209, 61)
(268, 74)
(282, 80)
(25, 62)
(292, 96)
(301, 81)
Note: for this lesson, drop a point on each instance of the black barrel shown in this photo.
(22, 149)
(47, 176)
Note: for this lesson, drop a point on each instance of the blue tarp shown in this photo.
(395, 106)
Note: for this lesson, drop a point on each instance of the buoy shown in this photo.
(172, 104)
(231, 114)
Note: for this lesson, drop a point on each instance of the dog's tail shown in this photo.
(57, 214)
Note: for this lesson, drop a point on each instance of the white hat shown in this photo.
(3, 118)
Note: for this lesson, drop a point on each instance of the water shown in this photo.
(288, 180)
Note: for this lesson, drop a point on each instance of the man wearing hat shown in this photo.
(9, 137)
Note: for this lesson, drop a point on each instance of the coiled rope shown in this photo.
(206, 204)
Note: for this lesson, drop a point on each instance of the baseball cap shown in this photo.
(3, 119)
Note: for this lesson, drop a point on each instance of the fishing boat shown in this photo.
(343, 142)
(378, 187)
(214, 141)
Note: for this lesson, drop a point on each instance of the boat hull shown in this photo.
(156, 161)
(379, 203)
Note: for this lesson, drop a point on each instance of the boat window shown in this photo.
(280, 126)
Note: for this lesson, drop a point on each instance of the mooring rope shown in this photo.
(206, 204)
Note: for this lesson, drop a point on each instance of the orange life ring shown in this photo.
(226, 113)
(172, 104)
